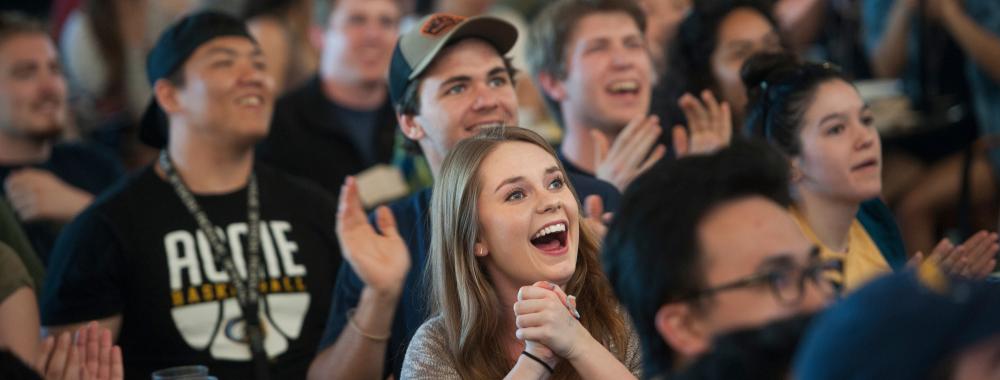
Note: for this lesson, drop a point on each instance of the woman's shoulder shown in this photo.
(432, 329)
(427, 356)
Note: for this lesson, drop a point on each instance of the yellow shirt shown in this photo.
(861, 262)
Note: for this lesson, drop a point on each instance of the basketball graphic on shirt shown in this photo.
(205, 309)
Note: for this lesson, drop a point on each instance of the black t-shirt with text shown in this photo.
(138, 253)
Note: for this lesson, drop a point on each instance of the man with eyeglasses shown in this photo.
(705, 245)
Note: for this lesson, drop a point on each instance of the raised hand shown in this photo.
(380, 260)
(596, 219)
(92, 357)
(38, 195)
(975, 258)
(710, 125)
(620, 161)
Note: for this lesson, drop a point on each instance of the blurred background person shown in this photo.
(945, 54)
(341, 122)
(47, 182)
(289, 37)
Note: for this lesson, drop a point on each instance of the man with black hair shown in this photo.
(705, 245)
(203, 257)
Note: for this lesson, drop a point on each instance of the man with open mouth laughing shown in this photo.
(591, 61)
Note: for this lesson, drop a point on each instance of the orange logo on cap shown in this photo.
(440, 24)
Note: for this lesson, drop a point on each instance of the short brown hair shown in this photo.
(551, 30)
(13, 23)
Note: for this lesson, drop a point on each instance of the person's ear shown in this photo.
(410, 127)
(166, 96)
(551, 86)
(682, 330)
(480, 250)
(795, 172)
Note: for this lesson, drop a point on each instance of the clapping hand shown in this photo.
(91, 357)
(620, 161)
(381, 260)
(710, 125)
(976, 258)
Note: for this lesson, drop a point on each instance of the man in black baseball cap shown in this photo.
(203, 257)
(448, 78)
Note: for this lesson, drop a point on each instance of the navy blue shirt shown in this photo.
(316, 139)
(85, 167)
(413, 221)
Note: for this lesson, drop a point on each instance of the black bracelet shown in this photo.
(540, 361)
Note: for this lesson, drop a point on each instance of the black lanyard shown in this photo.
(247, 293)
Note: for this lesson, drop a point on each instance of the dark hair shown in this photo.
(13, 23)
(758, 353)
(551, 31)
(689, 57)
(257, 8)
(779, 90)
(652, 252)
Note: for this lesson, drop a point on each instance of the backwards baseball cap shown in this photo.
(172, 49)
(914, 320)
(418, 47)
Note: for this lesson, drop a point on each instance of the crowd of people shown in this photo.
(369, 189)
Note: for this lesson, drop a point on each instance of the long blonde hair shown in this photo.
(461, 291)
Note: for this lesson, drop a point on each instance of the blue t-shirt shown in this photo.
(413, 222)
(985, 90)
(82, 166)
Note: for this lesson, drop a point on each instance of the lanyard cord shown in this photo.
(246, 290)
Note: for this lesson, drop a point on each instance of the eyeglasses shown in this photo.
(786, 280)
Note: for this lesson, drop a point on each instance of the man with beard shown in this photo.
(46, 183)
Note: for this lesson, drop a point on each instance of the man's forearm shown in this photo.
(977, 42)
(891, 53)
(354, 355)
